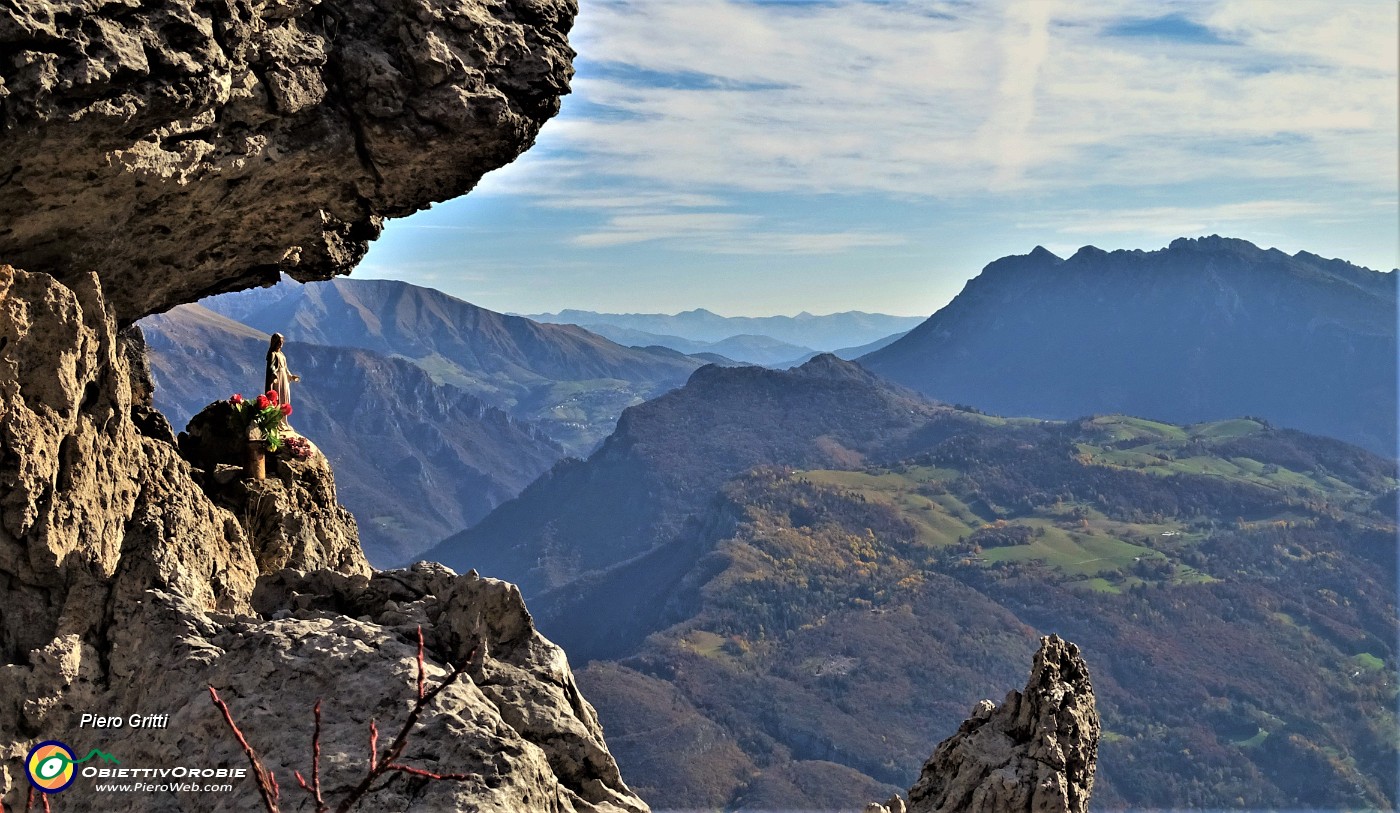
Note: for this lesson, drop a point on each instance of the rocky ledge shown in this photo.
(135, 578)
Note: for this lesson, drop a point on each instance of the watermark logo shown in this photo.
(51, 765)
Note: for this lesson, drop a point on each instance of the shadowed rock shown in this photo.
(183, 148)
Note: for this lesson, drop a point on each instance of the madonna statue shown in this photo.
(278, 377)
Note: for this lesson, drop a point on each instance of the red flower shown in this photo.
(272, 396)
(262, 402)
(286, 409)
(236, 399)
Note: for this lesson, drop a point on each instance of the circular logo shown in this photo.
(50, 766)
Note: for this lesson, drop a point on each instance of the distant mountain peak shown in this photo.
(833, 368)
(1088, 253)
(1212, 242)
(1206, 328)
(1043, 253)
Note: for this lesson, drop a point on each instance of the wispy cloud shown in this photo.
(1176, 221)
(640, 228)
(949, 98)
(916, 140)
(725, 233)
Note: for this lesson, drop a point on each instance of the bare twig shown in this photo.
(267, 783)
(378, 766)
(429, 774)
(422, 673)
(315, 788)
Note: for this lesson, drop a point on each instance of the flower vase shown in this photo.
(255, 467)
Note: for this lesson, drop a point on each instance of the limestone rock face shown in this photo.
(132, 579)
(186, 148)
(1036, 753)
(90, 507)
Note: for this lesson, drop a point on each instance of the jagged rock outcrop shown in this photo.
(89, 507)
(130, 585)
(1035, 753)
(517, 725)
(186, 148)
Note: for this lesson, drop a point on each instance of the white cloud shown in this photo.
(641, 228)
(897, 98)
(726, 233)
(685, 114)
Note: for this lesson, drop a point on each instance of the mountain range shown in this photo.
(779, 581)
(562, 377)
(765, 340)
(669, 455)
(432, 410)
(415, 460)
(1204, 329)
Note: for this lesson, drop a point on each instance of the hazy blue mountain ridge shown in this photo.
(569, 381)
(668, 456)
(822, 333)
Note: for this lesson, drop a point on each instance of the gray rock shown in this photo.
(186, 148)
(1036, 753)
(131, 585)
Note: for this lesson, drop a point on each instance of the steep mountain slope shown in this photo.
(562, 377)
(801, 625)
(669, 455)
(1205, 329)
(415, 460)
(826, 332)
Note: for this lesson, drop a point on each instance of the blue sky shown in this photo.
(772, 157)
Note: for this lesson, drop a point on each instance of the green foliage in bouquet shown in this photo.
(264, 413)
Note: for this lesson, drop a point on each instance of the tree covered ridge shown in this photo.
(1232, 584)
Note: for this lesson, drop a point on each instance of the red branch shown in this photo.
(422, 673)
(315, 788)
(429, 774)
(46, 802)
(316, 760)
(379, 764)
(267, 784)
